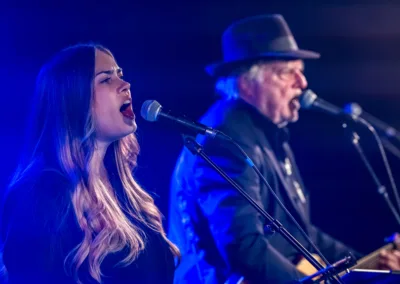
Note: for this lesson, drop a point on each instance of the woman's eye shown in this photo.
(107, 80)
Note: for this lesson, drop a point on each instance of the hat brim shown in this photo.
(223, 68)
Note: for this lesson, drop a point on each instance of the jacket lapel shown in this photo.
(290, 189)
(301, 187)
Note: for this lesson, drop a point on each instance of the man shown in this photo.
(218, 232)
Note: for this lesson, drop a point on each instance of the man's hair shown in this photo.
(227, 86)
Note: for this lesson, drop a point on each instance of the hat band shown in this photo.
(284, 43)
(247, 49)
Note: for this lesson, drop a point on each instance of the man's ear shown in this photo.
(245, 86)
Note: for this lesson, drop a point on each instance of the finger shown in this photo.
(383, 256)
(383, 266)
(383, 253)
(396, 239)
(390, 257)
(383, 262)
(393, 265)
(388, 264)
(396, 253)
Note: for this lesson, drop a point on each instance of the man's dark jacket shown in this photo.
(219, 233)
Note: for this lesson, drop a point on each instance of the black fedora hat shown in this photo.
(255, 38)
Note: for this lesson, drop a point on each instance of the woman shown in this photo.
(73, 212)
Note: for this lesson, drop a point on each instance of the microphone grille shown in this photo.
(307, 99)
(150, 110)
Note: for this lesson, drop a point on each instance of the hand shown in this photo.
(389, 259)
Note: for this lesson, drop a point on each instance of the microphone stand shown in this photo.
(391, 147)
(355, 138)
(386, 144)
(387, 132)
(274, 225)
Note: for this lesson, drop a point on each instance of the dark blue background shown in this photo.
(163, 48)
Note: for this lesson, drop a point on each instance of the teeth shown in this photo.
(125, 105)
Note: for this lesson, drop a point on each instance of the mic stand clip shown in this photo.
(334, 269)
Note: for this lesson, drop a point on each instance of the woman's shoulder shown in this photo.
(36, 199)
(46, 181)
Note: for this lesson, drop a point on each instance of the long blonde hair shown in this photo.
(105, 222)
(64, 98)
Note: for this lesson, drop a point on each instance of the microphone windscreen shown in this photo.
(150, 110)
(307, 99)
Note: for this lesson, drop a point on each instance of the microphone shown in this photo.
(152, 111)
(309, 100)
(356, 110)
